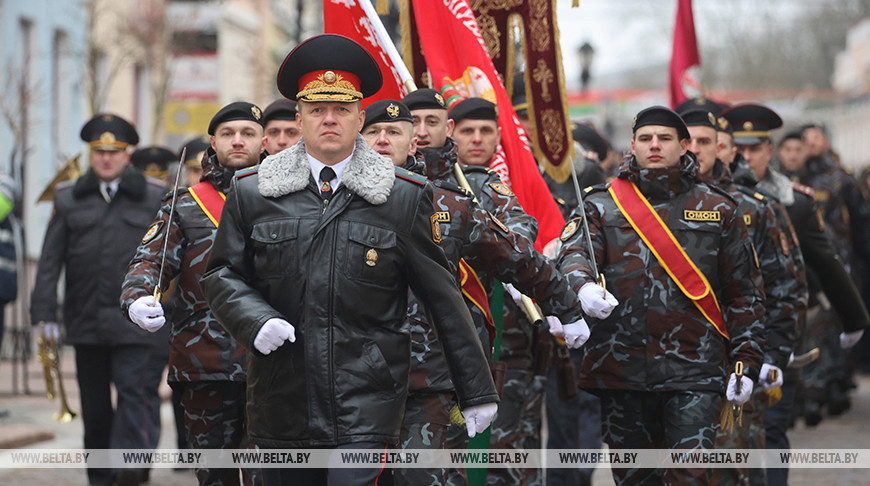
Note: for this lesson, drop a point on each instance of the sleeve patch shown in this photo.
(783, 243)
(501, 189)
(152, 232)
(570, 228)
(436, 228)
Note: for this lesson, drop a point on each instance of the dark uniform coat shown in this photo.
(339, 273)
(819, 255)
(782, 287)
(656, 339)
(200, 348)
(94, 241)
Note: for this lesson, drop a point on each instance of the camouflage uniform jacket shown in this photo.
(836, 193)
(92, 240)
(488, 245)
(200, 348)
(656, 339)
(781, 285)
(820, 256)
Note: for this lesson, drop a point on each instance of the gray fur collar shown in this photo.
(779, 185)
(368, 174)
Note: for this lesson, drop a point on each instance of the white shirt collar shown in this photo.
(113, 185)
(317, 166)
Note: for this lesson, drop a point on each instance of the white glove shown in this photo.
(147, 313)
(515, 294)
(50, 330)
(741, 397)
(765, 376)
(849, 339)
(597, 302)
(273, 334)
(556, 328)
(478, 417)
(576, 334)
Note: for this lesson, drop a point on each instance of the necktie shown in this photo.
(110, 192)
(326, 177)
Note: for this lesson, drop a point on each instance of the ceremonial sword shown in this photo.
(157, 292)
(599, 277)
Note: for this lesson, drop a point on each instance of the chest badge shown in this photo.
(436, 228)
(371, 257)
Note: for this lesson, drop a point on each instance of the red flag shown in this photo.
(352, 19)
(685, 61)
(460, 68)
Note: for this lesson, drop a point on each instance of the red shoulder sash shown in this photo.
(210, 200)
(667, 250)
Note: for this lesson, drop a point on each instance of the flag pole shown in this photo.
(388, 45)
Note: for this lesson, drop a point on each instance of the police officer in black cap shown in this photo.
(97, 222)
(195, 150)
(280, 126)
(154, 162)
(311, 268)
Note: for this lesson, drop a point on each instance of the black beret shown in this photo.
(518, 96)
(590, 139)
(109, 132)
(239, 110)
(701, 103)
(659, 115)
(699, 118)
(796, 135)
(282, 109)
(474, 109)
(387, 111)
(153, 161)
(751, 123)
(329, 67)
(424, 99)
(195, 147)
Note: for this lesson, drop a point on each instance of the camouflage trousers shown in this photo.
(214, 414)
(659, 420)
(517, 425)
(427, 416)
(750, 436)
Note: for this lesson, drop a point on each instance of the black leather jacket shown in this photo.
(339, 273)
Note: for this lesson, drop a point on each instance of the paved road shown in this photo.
(30, 419)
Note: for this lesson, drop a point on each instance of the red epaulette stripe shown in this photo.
(807, 190)
(416, 181)
(246, 174)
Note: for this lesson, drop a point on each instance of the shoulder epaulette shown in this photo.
(443, 184)
(181, 190)
(768, 196)
(410, 176)
(597, 188)
(805, 190)
(247, 171)
(723, 192)
(64, 185)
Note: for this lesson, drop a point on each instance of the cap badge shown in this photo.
(723, 123)
(329, 77)
(393, 110)
(711, 118)
(439, 99)
(256, 112)
(633, 122)
(748, 126)
(107, 118)
(107, 137)
(700, 100)
(371, 257)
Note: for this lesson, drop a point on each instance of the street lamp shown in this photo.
(586, 53)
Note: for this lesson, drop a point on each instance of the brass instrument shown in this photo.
(50, 360)
(70, 171)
